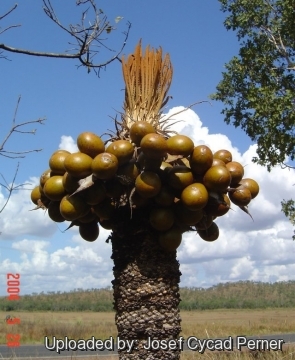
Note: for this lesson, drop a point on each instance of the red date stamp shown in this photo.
(13, 290)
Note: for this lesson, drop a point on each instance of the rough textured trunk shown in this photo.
(146, 288)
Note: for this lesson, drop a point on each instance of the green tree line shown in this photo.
(237, 295)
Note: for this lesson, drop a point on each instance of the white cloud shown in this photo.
(68, 143)
(18, 218)
(259, 250)
(84, 265)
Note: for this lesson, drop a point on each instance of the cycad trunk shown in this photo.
(146, 289)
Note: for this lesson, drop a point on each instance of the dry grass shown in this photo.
(202, 324)
(75, 325)
(223, 323)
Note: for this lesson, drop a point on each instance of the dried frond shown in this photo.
(148, 78)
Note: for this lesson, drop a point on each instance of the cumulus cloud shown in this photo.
(68, 143)
(78, 265)
(18, 218)
(259, 250)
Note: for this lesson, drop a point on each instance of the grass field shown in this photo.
(202, 324)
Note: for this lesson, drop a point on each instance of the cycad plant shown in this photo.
(149, 186)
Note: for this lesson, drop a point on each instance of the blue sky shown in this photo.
(73, 101)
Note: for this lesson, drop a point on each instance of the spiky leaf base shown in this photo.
(146, 287)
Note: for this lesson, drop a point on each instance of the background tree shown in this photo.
(258, 87)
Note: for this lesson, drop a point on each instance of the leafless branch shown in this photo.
(3, 57)
(8, 12)
(10, 188)
(284, 166)
(8, 28)
(17, 128)
(38, 53)
(88, 38)
(16, 154)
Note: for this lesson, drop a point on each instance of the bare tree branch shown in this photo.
(8, 12)
(18, 128)
(284, 166)
(11, 188)
(8, 28)
(39, 53)
(88, 38)
(16, 154)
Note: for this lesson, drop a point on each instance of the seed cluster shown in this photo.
(182, 186)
